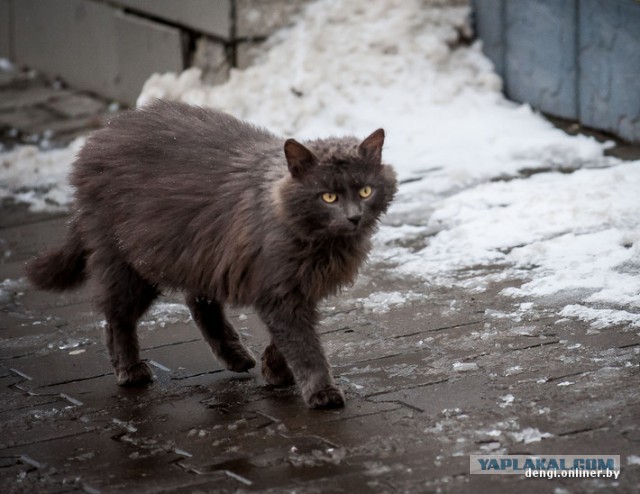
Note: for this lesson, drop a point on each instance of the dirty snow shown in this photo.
(163, 313)
(38, 178)
(10, 289)
(507, 401)
(380, 302)
(464, 366)
(530, 435)
(484, 181)
(601, 318)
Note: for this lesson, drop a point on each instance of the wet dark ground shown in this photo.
(428, 383)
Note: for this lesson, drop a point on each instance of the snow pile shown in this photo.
(350, 67)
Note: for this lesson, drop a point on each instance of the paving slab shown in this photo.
(427, 384)
(449, 373)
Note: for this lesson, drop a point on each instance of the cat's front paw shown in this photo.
(138, 374)
(238, 359)
(328, 397)
(274, 367)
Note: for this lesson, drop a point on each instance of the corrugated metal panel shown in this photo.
(577, 59)
(540, 61)
(610, 66)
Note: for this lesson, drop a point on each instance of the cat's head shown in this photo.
(338, 187)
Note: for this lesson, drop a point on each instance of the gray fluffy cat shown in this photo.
(178, 197)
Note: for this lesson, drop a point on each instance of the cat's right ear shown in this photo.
(371, 147)
(299, 158)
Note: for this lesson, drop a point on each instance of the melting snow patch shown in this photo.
(633, 460)
(490, 447)
(601, 318)
(381, 302)
(11, 288)
(512, 371)
(492, 432)
(465, 366)
(507, 400)
(530, 435)
(525, 330)
(163, 313)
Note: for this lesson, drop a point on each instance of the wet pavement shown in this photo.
(428, 382)
(45, 112)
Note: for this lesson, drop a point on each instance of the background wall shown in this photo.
(576, 59)
(112, 46)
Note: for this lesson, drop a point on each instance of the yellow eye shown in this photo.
(365, 191)
(329, 197)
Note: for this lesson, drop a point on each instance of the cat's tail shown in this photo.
(60, 269)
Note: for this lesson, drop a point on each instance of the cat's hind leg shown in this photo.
(274, 367)
(219, 333)
(123, 296)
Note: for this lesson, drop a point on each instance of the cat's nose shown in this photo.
(355, 219)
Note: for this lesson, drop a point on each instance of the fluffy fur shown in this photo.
(179, 197)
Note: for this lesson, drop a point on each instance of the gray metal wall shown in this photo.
(577, 59)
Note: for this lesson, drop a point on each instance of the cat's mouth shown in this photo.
(337, 229)
(347, 228)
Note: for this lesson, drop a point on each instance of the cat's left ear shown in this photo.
(371, 147)
(299, 158)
